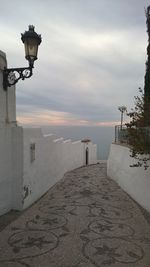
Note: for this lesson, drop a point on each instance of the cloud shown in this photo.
(91, 59)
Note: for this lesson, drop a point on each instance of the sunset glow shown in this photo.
(59, 118)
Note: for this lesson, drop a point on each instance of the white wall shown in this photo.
(92, 153)
(5, 170)
(17, 167)
(53, 157)
(10, 168)
(10, 147)
(134, 180)
(7, 98)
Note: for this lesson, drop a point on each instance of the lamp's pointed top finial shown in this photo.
(31, 28)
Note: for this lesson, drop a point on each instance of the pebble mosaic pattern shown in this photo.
(86, 220)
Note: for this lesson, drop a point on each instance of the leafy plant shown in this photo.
(139, 131)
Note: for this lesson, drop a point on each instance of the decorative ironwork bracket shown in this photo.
(12, 76)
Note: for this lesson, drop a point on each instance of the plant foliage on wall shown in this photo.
(139, 132)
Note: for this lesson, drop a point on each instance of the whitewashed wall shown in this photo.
(134, 180)
(92, 153)
(53, 157)
(10, 147)
(5, 170)
(7, 98)
(11, 155)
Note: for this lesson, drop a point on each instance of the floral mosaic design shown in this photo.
(84, 220)
(111, 252)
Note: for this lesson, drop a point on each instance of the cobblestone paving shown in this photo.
(86, 220)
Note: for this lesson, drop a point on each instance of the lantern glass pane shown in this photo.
(26, 50)
(31, 48)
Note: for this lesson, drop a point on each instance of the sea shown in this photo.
(103, 136)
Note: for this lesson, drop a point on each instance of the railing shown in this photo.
(122, 135)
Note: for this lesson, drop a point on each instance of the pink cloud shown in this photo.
(59, 119)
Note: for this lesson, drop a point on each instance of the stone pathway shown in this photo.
(86, 220)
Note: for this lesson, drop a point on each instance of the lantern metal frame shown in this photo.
(10, 78)
(12, 75)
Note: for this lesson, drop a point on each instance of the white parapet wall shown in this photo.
(46, 159)
(134, 180)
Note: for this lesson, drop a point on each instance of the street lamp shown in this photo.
(31, 42)
(122, 109)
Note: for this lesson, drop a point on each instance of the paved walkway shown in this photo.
(86, 220)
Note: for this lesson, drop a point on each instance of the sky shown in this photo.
(91, 59)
